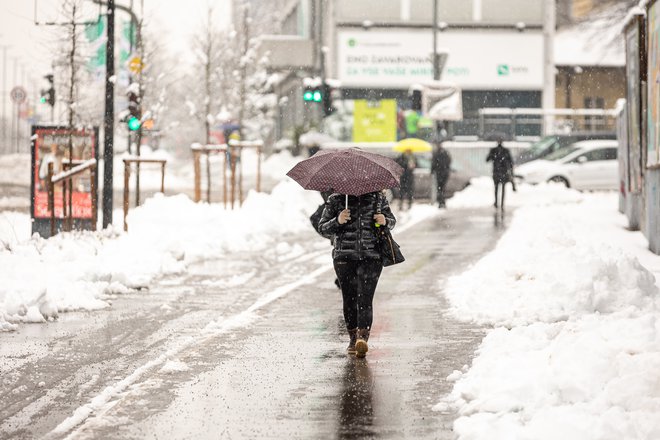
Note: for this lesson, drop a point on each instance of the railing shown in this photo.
(66, 178)
(198, 150)
(127, 176)
(517, 123)
(233, 151)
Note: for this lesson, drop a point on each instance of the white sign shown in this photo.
(478, 60)
(442, 101)
(18, 95)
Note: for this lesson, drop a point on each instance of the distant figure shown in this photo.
(408, 162)
(441, 167)
(502, 169)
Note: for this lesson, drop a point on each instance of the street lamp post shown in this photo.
(436, 58)
(109, 119)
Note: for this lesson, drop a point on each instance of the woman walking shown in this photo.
(351, 222)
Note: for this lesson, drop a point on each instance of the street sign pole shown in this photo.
(109, 119)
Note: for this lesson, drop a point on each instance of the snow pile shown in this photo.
(83, 270)
(577, 349)
(480, 193)
(551, 265)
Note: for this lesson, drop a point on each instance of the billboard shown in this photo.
(501, 60)
(653, 81)
(51, 145)
(374, 121)
(633, 107)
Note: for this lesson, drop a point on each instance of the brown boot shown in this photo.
(361, 347)
(352, 334)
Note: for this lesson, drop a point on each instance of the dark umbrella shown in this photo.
(348, 171)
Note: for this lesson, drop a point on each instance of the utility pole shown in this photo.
(549, 80)
(436, 57)
(4, 96)
(109, 119)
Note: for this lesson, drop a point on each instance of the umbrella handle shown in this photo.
(346, 201)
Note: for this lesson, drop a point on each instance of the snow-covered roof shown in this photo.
(597, 41)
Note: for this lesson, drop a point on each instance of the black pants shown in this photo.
(358, 280)
(441, 180)
(501, 181)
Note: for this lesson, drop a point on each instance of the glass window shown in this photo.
(601, 154)
(561, 153)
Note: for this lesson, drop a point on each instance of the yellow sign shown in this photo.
(374, 121)
(135, 65)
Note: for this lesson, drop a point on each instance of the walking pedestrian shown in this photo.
(502, 169)
(441, 168)
(352, 222)
(408, 162)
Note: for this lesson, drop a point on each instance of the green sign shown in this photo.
(503, 69)
(374, 121)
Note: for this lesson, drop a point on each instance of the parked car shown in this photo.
(549, 144)
(586, 165)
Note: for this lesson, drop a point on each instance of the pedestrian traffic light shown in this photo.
(48, 95)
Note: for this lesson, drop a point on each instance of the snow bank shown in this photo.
(551, 264)
(83, 270)
(576, 350)
(480, 193)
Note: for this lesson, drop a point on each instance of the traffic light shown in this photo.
(313, 94)
(326, 95)
(133, 120)
(416, 100)
(48, 95)
(322, 94)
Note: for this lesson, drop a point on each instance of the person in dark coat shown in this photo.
(356, 257)
(441, 167)
(408, 162)
(502, 169)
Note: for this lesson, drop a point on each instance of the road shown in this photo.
(253, 346)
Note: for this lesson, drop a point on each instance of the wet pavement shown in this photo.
(253, 347)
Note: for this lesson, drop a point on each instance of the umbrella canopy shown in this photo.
(413, 144)
(347, 171)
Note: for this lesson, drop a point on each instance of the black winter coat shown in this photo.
(502, 163)
(356, 239)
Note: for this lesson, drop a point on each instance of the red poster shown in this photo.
(51, 145)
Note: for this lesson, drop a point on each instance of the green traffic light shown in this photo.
(133, 123)
(42, 100)
(308, 96)
(318, 97)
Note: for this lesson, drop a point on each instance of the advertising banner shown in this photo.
(51, 145)
(476, 61)
(633, 106)
(374, 121)
(653, 79)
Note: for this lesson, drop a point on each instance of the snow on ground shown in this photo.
(80, 270)
(575, 349)
(84, 270)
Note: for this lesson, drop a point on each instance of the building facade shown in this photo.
(378, 49)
